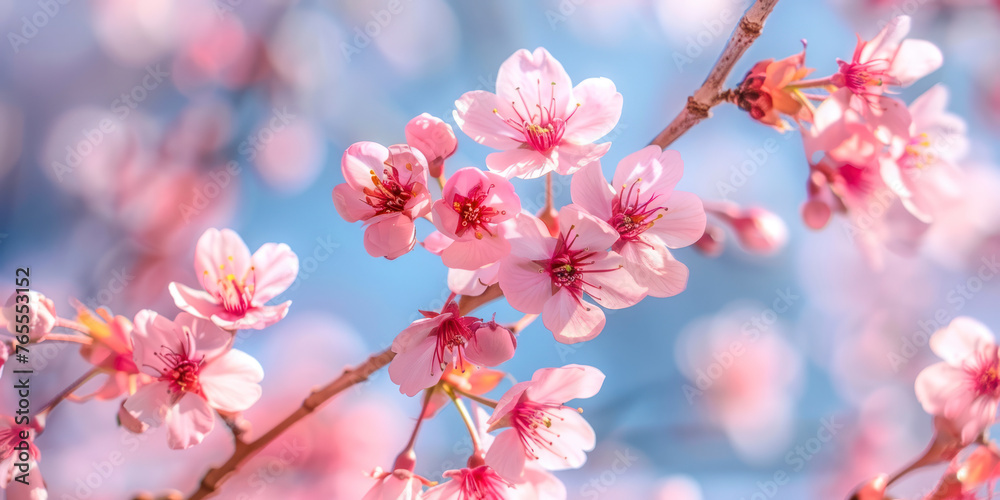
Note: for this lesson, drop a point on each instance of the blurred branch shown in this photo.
(710, 93)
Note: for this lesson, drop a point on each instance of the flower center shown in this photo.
(984, 375)
(918, 153)
(483, 483)
(179, 370)
(539, 124)
(473, 214)
(865, 78)
(452, 335)
(533, 423)
(235, 294)
(631, 216)
(389, 194)
(11, 437)
(568, 266)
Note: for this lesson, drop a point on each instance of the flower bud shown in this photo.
(712, 242)
(434, 138)
(760, 231)
(40, 312)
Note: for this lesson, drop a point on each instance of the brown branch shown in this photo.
(710, 93)
(216, 476)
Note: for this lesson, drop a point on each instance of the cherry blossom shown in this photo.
(36, 312)
(647, 213)
(387, 189)
(236, 284)
(965, 387)
(20, 460)
(887, 60)
(548, 275)
(765, 93)
(434, 139)
(473, 204)
(540, 428)
(196, 372)
(400, 484)
(112, 352)
(541, 122)
(425, 348)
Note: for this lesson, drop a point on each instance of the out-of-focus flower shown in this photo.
(197, 372)
(758, 230)
(647, 213)
(400, 484)
(766, 94)
(19, 461)
(887, 60)
(30, 313)
(425, 348)
(540, 121)
(387, 189)
(548, 275)
(469, 380)
(112, 352)
(473, 204)
(434, 138)
(965, 387)
(542, 429)
(236, 284)
(873, 489)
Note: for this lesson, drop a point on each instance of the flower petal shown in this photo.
(231, 382)
(275, 269)
(189, 421)
(572, 320)
(600, 108)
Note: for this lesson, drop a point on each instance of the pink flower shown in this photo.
(873, 489)
(387, 189)
(965, 388)
(887, 60)
(434, 139)
(548, 275)
(30, 313)
(542, 430)
(425, 348)
(400, 484)
(758, 230)
(479, 483)
(196, 372)
(473, 204)
(540, 121)
(236, 283)
(112, 352)
(13, 452)
(648, 215)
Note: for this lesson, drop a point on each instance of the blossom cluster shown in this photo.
(609, 248)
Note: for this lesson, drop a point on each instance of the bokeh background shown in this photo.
(128, 127)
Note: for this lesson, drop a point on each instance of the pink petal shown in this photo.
(961, 340)
(590, 191)
(432, 136)
(683, 222)
(189, 421)
(474, 115)
(208, 339)
(474, 254)
(655, 171)
(653, 267)
(613, 289)
(153, 332)
(256, 318)
(491, 345)
(570, 158)
(436, 242)
(559, 385)
(936, 385)
(507, 455)
(473, 283)
(219, 254)
(529, 238)
(149, 404)
(915, 60)
(350, 204)
(521, 162)
(884, 44)
(275, 269)
(508, 401)
(572, 321)
(568, 451)
(417, 332)
(589, 231)
(408, 162)
(361, 161)
(525, 285)
(195, 302)
(231, 382)
(600, 108)
(415, 368)
(390, 237)
(530, 80)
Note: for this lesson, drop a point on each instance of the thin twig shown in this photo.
(710, 93)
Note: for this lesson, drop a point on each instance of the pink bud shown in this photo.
(434, 138)
(816, 213)
(872, 490)
(40, 312)
(760, 231)
(712, 242)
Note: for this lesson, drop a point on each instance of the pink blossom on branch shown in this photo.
(196, 373)
(549, 275)
(434, 139)
(540, 428)
(426, 348)
(965, 387)
(387, 189)
(472, 207)
(647, 213)
(538, 119)
(237, 284)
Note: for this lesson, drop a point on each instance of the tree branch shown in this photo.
(710, 93)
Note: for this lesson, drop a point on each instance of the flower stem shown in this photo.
(68, 391)
(479, 399)
(420, 419)
(79, 339)
(808, 84)
(72, 325)
(465, 418)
